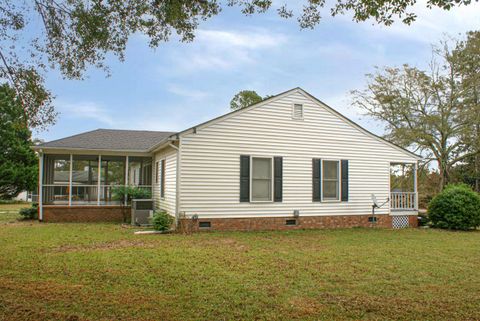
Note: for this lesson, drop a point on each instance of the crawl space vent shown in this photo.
(204, 224)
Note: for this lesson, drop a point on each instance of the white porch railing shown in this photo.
(59, 194)
(403, 201)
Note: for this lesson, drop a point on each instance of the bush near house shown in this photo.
(129, 193)
(29, 213)
(162, 221)
(456, 207)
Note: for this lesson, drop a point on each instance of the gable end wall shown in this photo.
(210, 161)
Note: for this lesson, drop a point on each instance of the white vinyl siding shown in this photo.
(168, 202)
(210, 166)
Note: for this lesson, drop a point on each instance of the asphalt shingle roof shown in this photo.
(111, 139)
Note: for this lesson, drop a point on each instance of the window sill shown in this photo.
(331, 201)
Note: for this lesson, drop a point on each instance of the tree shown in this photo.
(244, 99)
(73, 35)
(18, 162)
(423, 110)
(467, 55)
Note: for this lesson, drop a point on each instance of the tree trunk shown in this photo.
(477, 160)
(477, 173)
(444, 179)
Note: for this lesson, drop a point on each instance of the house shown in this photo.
(287, 162)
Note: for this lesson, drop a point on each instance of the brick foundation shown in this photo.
(413, 221)
(279, 223)
(57, 213)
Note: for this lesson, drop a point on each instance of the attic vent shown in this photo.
(297, 111)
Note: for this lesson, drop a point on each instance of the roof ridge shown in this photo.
(136, 130)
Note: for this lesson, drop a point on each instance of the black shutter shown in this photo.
(316, 177)
(162, 178)
(278, 179)
(344, 180)
(244, 178)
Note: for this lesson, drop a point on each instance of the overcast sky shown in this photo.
(179, 84)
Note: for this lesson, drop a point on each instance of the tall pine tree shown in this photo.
(18, 162)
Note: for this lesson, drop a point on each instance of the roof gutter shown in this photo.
(164, 143)
(46, 148)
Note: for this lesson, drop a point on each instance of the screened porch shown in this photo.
(74, 180)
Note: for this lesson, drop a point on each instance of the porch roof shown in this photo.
(110, 139)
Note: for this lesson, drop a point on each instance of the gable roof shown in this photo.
(150, 141)
(110, 139)
(318, 101)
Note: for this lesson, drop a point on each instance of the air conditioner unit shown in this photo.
(142, 211)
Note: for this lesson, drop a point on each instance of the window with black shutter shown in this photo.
(278, 179)
(344, 180)
(162, 178)
(261, 179)
(316, 182)
(244, 178)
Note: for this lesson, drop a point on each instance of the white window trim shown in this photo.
(271, 179)
(339, 170)
(293, 111)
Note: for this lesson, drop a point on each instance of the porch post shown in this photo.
(70, 178)
(415, 183)
(126, 177)
(40, 187)
(99, 178)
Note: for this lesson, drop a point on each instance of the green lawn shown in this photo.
(104, 272)
(9, 212)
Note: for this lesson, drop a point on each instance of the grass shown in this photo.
(9, 212)
(105, 272)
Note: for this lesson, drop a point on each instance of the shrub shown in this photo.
(120, 193)
(423, 219)
(456, 207)
(29, 213)
(162, 221)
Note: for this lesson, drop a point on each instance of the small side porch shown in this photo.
(79, 186)
(403, 189)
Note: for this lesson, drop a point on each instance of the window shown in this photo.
(297, 111)
(262, 182)
(162, 178)
(331, 180)
(156, 172)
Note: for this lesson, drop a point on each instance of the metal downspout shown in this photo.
(177, 183)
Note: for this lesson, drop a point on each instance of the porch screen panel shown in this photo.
(112, 175)
(140, 171)
(85, 179)
(56, 176)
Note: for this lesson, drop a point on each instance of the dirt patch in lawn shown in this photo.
(302, 307)
(223, 242)
(391, 307)
(45, 300)
(104, 246)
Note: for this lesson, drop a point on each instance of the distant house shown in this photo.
(287, 162)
